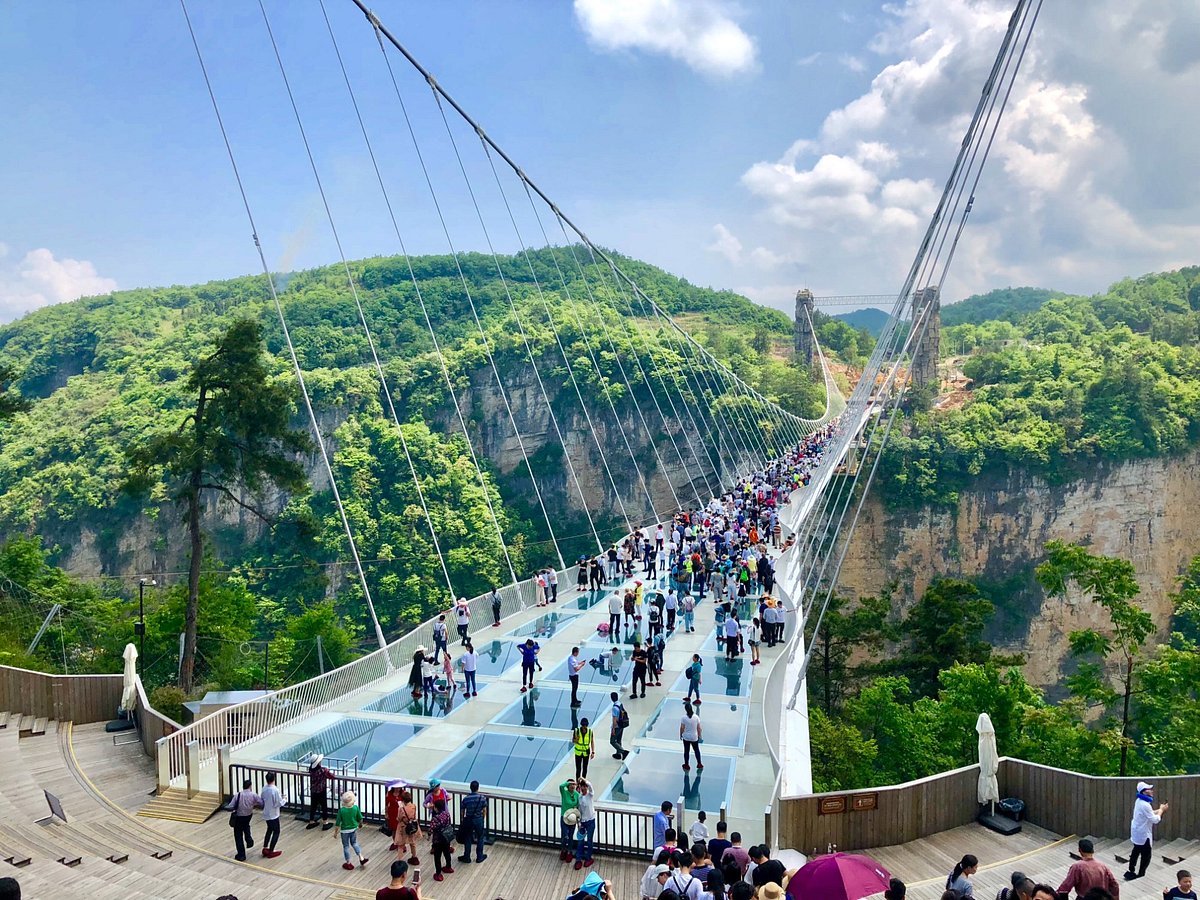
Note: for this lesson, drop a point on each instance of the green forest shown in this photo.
(88, 382)
(1071, 382)
(894, 696)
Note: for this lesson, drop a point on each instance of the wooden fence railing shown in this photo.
(76, 698)
(877, 817)
(1069, 803)
(528, 820)
(1055, 799)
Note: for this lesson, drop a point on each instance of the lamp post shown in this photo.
(141, 625)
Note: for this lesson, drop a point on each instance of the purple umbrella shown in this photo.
(838, 876)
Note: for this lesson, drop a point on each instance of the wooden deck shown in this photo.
(311, 862)
(1040, 854)
(102, 787)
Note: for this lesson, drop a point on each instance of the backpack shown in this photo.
(689, 673)
(623, 718)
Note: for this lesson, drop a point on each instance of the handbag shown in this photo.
(448, 834)
(233, 819)
(411, 827)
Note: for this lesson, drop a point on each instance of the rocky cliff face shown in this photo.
(1144, 511)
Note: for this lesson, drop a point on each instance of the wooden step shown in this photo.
(4, 719)
(174, 805)
(26, 727)
(19, 860)
(39, 727)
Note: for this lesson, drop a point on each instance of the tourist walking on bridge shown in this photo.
(692, 674)
(272, 806)
(691, 733)
(1141, 829)
(349, 821)
(242, 807)
(585, 747)
(620, 721)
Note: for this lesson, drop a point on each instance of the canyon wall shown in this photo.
(1144, 511)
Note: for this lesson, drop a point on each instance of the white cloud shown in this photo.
(700, 33)
(767, 259)
(852, 62)
(1090, 178)
(725, 243)
(39, 279)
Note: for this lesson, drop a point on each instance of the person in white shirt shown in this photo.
(655, 877)
(1141, 829)
(615, 608)
(469, 662)
(272, 805)
(463, 613)
(691, 734)
(698, 831)
(683, 882)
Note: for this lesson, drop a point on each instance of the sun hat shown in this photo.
(317, 760)
(770, 891)
(348, 798)
(571, 816)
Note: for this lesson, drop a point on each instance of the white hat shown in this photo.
(320, 758)
(1144, 786)
(571, 816)
(662, 869)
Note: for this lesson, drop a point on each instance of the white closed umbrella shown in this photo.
(129, 686)
(989, 760)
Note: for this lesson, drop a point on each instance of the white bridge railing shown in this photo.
(238, 725)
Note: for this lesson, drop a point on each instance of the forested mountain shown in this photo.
(103, 373)
(1114, 376)
(871, 320)
(1003, 304)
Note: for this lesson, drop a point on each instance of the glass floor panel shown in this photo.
(368, 740)
(585, 600)
(543, 626)
(550, 707)
(439, 706)
(604, 668)
(652, 776)
(505, 760)
(493, 658)
(721, 677)
(722, 724)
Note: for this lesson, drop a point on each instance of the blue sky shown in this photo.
(761, 146)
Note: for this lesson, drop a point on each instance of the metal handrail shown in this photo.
(235, 726)
(619, 831)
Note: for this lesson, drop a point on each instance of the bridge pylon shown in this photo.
(925, 352)
(806, 343)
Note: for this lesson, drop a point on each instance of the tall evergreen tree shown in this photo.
(235, 442)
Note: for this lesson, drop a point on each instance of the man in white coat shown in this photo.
(1141, 829)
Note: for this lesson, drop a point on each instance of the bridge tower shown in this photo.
(925, 352)
(805, 340)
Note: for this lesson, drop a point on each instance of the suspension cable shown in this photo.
(312, 416)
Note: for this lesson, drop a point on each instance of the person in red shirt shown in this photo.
(397, 890)
(1088, 873)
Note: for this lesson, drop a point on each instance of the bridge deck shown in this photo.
(459, 738)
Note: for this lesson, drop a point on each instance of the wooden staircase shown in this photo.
(174, 804)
